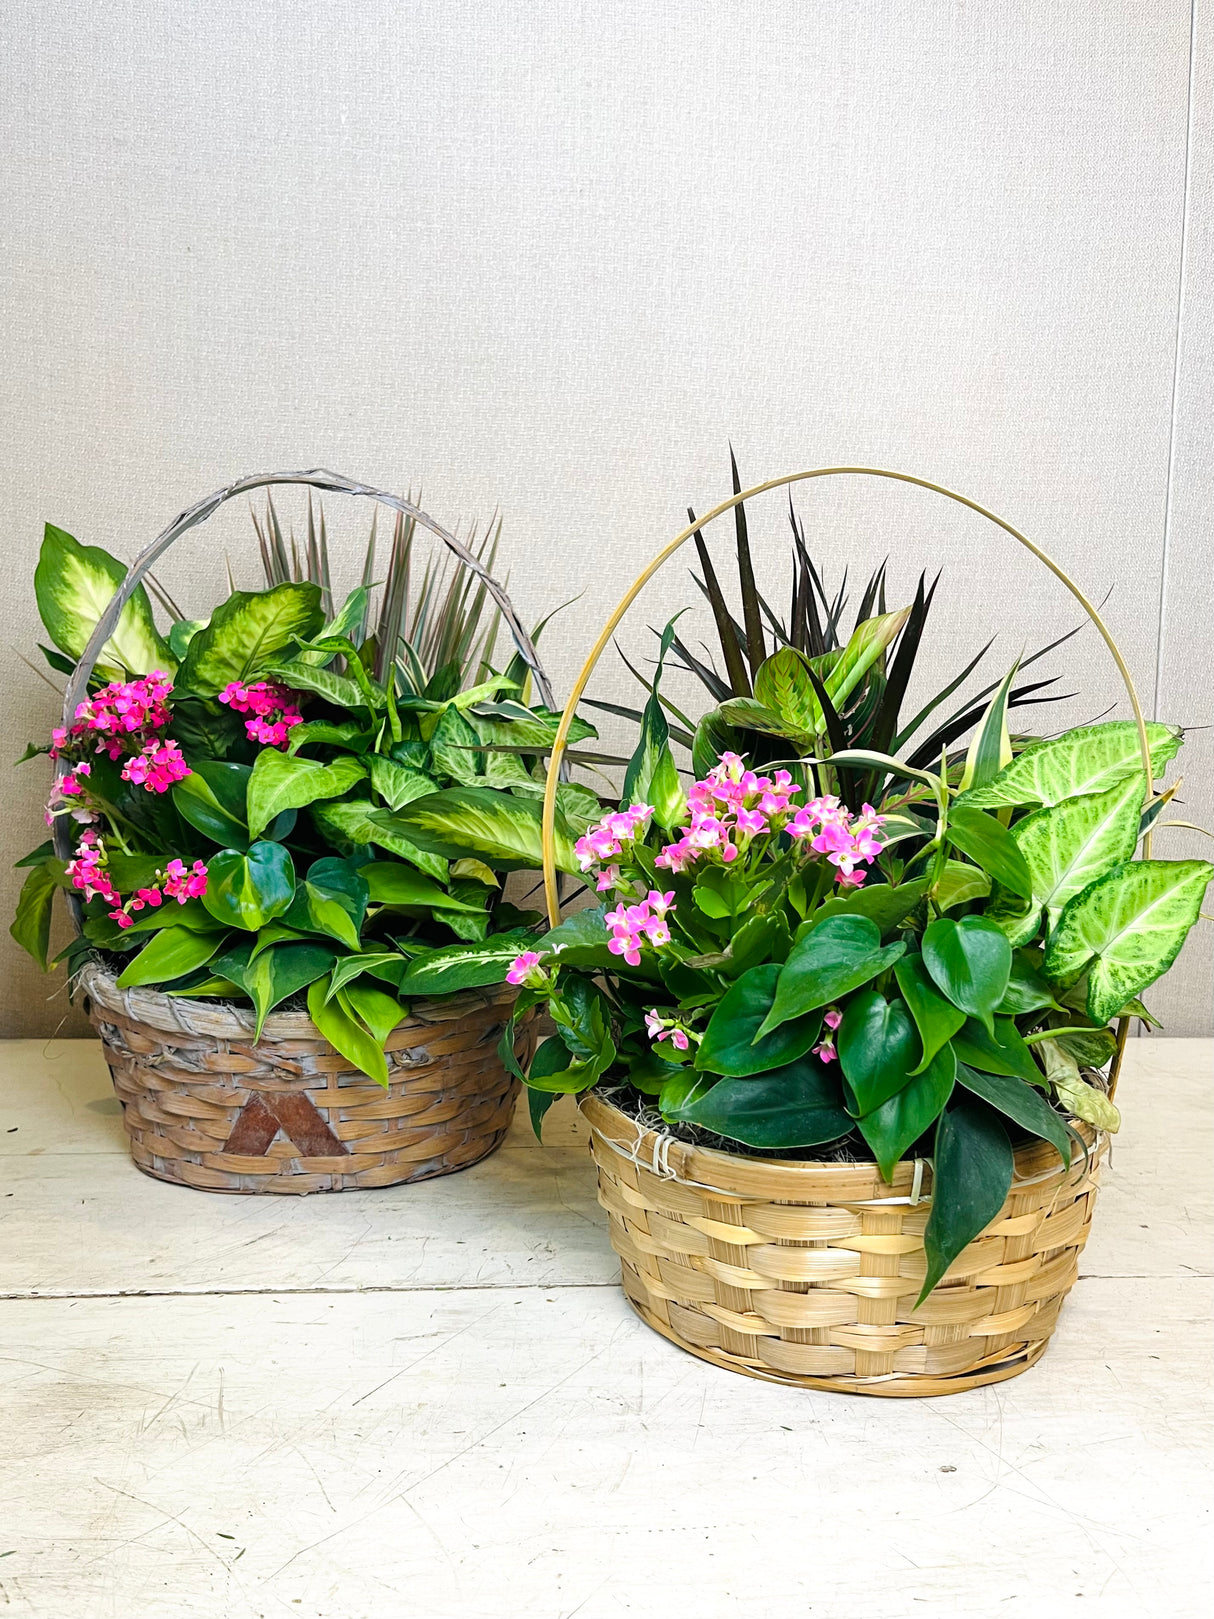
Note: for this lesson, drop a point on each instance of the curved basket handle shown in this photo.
(317, 478)
(579, 686)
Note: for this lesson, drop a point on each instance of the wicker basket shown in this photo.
(206, 1107)
(808, 1273)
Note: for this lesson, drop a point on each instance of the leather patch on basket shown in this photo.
(293, 1113)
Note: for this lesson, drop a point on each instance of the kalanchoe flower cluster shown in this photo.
(634, 925)
(156, 767)
(825, 1049)
(601, 844)
(116, 718)
(527, 970)
(273, 710)
(830, 829)
(729, 808)
(88, 873)
(659, 1028)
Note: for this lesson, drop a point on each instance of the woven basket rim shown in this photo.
(177, 1014)
(739, 1174)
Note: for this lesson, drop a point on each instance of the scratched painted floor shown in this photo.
(429, 1402)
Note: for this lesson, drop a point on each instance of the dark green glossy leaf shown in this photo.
(839, 955)
(970, 961)
(213, 798)
(882, 903)
(936, 1018)
(731, 1044)
(878, 1047)
(248, 890)
(1020, 1103)
(31, 926)
(798, 1105)
(971, 1174)
(555, 1070)
(332, 899)
(273, 975)
(1001, 1052)
(991, 846)
(1027, 990)
(898, 1123)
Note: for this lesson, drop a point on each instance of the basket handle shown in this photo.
(551, 894)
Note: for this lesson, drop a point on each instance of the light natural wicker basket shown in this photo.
(807, 1273)
(207, 1107)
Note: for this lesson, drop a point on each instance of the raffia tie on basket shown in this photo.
(206, 1107)
(808, 1273)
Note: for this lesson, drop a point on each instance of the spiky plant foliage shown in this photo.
(806, 683)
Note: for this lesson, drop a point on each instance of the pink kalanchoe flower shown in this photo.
(679, 1040)
(609, 878)
(655, 1028)
(851, 879)
(157, 767)
(273, 710)
(181, 885)
(526, 969)
(833, 1018)
(659, 903)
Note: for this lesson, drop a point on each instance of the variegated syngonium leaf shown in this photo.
(1126, 929)
(1090, 759)
(1069, 845)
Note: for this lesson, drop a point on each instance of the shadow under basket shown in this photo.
(807, 1273)
(206, 1107)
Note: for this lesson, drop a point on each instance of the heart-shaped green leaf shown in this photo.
(1027, 990)
(900, 1121)
(970, 961)
(731, 1043)
(248, 890)
(878, 1047)
(214, 799)
(272, 976)
(398, 784)
(882, 903)
(839, 955)
(331, 900)
(1020, 1103)
(999, 1050)
(936, 1018)
(170, 954)
(991, 846)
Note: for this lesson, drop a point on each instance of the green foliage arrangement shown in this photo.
(292, 800)
(853, 951)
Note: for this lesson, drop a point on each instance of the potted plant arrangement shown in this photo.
(839, 1018)
(284, 833)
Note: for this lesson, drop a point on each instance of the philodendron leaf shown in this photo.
(213, 799)
(1126, 929)
(991, 846)
(799, 1105)
(1090, 759)
(391, 883)
(1027, 990)
(731, 1043)
(248, 890)
(882, 903)
(555, 1071)
(878, 1047)
(839, 955)
(1000, 1050)
(273, 975)
(1020, 1103)
(380, 1011)
(971, 1174)
(280, 782)
(936, 1018)
(170, 954)
(32, 924)
(497, 828)
(1069, 846)
(74, 584)
(958, 883)
(970, 961)
(332, 899)
(247, 633)
(464, 966)
(899, 1122)
(347, 1034)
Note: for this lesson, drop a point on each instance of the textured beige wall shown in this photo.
(555, 257)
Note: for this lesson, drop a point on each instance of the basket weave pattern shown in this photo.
(808, 1273)
(205, 1107)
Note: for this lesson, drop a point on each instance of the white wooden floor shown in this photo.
(432, 1401)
